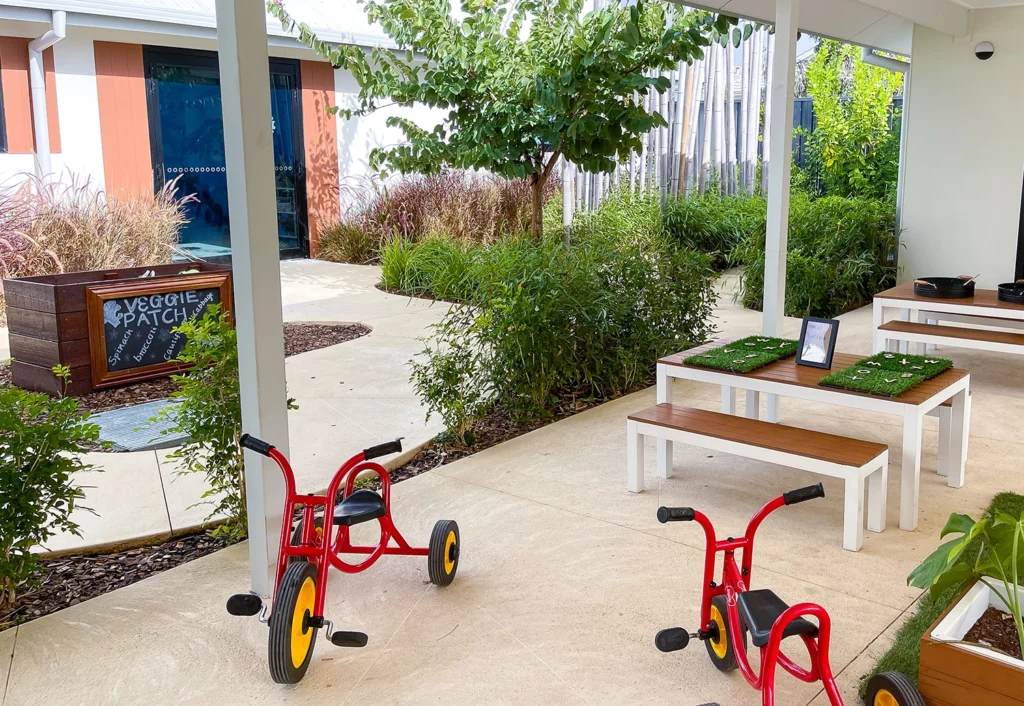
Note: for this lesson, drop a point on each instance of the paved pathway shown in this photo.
(350, 396)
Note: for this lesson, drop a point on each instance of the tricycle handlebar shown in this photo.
(253, 444)
(675, 514)
(388, 447)
(802, 494)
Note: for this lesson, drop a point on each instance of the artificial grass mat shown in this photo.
(904, 655)
(887, 374)
(745, 355)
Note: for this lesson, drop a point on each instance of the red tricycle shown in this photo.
(730, 611)
(307, 551)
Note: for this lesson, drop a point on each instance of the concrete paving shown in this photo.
(565, 577)
(349, 396)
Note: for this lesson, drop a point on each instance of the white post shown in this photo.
(780, 138)
(248, 148)
(568, 179)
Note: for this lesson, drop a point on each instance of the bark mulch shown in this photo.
(298, 338)
(996, 629)
(60, 583)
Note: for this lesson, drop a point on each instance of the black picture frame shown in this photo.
(829, 347)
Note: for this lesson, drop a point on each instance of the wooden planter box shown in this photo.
(967, 675)
(48, 322)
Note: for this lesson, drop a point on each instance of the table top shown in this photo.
(985, 298)
(787, 372)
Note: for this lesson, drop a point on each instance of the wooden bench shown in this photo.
(853, 460)
(956, 336)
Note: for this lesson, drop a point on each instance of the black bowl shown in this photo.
(1012, 292)
(943, 287)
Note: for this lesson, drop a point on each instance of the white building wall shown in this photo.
(965, 152)
(79, 108)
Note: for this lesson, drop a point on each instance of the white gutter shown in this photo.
(868, 56)
(37, 81)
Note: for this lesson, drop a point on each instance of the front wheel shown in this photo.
(443, 553)
(291, 636)
(892, 689)
(720, 649)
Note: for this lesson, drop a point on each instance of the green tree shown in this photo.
(523, 81)
(854, 148)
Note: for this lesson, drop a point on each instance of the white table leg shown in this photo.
(945, 434)
(728, 400)
(904, 346)
(772, 411)
(753, 404)
(634, 458)
(910, 491)
(665, 449)
(853, 513)
(878, 488)
(877, 339)
(959, 426)
(921, 348)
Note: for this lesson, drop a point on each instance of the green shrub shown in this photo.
(41, 440)
(345, 241)
(436, 267)
(538, 321)
(716, 225)
(208, 408)
(625, 217)
(841, 253)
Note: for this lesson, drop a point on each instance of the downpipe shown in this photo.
(37, 83)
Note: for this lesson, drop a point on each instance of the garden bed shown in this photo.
(298, 338)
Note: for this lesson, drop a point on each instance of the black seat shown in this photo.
(361, 506)
(760, 609)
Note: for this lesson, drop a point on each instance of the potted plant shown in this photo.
(972, 653)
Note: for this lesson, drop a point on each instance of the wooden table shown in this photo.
(985, 304)
(787, 379)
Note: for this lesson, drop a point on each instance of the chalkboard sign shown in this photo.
(131, 324)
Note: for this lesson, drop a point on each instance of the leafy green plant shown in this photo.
(854, 148)
(841, 253)
(715, 224)
(521, 83)
(207, 407)
(41, 442)
(998, 562)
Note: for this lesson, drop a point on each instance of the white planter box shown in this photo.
(962, 617)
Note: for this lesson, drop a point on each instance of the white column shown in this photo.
(568, 201)
(780, 138)
(249, 153)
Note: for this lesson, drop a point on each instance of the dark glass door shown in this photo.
(187, 140)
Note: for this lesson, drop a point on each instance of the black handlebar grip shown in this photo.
(253, 444)
(675, 514)
(800, 495)
(388, 447)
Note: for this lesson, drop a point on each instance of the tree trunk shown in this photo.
(537, 214)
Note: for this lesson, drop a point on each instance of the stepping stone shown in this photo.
(130, 428)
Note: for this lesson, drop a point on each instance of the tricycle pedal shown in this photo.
(246, 604)
(671, 639)
(349, 639)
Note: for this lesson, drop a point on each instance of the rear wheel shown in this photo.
(291, 636)
(720, 649)
(443, 553)
(892, 689)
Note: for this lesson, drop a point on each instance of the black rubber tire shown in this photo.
(282, 668)
(897, 685)
(318, 523)
(727, 662)
(443, 556)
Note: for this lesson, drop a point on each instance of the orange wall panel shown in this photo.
(14, 74)
(320, 134)
(124, 121)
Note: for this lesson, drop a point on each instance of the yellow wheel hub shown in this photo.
(302, 635)
(721, 645)
(884, 698)
(449, 562)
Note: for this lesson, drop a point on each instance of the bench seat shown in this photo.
(856, 461)
(956, 336)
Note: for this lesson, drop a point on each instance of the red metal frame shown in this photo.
(322, 549)
(734, 582)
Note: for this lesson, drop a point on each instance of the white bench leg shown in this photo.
(945, 438)
(663, 466)
(728, 400)
(910, 490)
(878, 488)
(853, 513)
(772, 409)
(753, 404)
(904, 346)
(634, 458)
(959, 429)
(877, 339)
